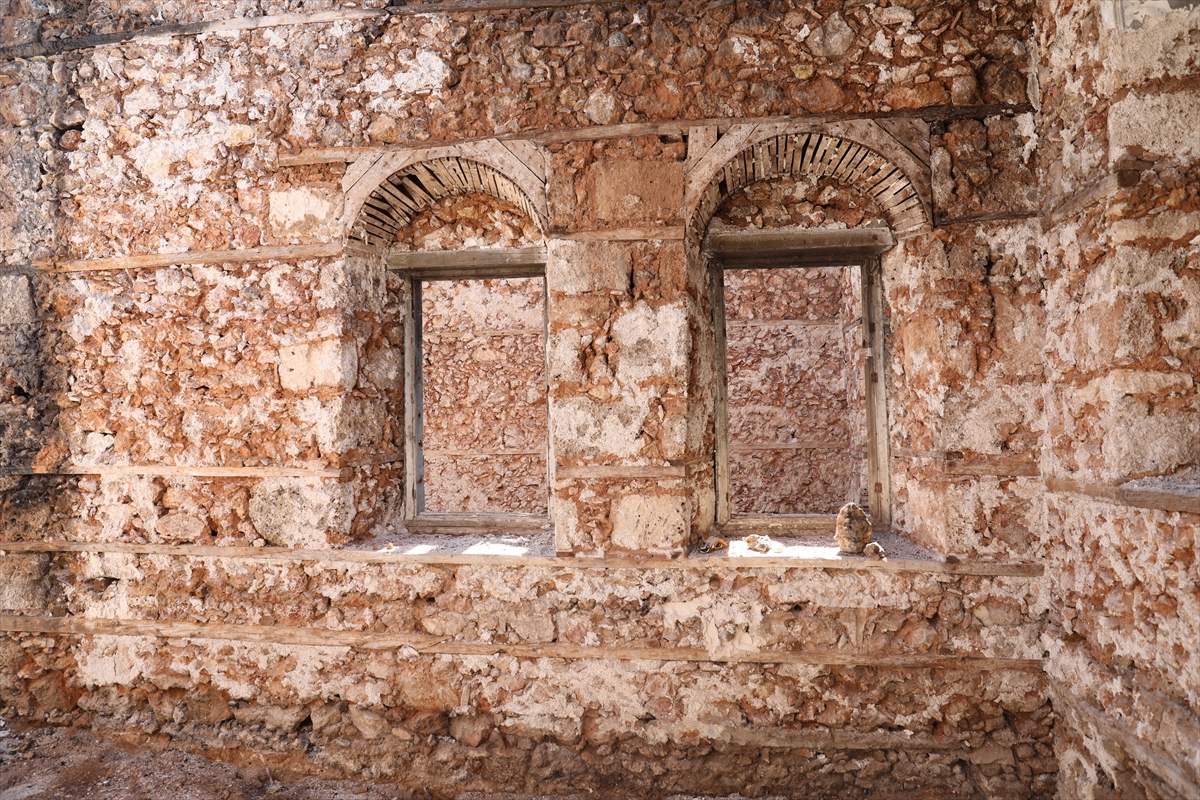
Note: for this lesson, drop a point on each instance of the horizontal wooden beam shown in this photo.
(55, 46)
(453, 556)
(158, 260)
(663, 233)
(1067, 704)
(780, 524)
(338, 155)
(996, 466)
(432, 645)
(766, 447)
(160, 471)
(1182, 502)
(476, 522)
(476, 262)
(620, 472)
(802, 248)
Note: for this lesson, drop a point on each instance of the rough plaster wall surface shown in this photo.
(484, 410)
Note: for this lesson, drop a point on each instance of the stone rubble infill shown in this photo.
(61, 764)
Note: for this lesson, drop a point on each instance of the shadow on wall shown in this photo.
(28, 414)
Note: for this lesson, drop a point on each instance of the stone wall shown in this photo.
(1120, 159)
(202, 393)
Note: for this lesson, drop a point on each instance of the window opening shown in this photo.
(800, 402)
(478, 402)
(796, 407)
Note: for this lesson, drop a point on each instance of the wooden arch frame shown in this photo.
(411, 190)
(890, 166)
(383, 193)
(384, 190)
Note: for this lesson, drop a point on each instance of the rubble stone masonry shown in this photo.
(250, 508)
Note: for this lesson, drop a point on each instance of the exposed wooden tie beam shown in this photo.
(432, 645)
(1182, 501)
(286, 20)
(513, 262)
(158, 260)
(806, 248)
(1011, 569)
(337, 155)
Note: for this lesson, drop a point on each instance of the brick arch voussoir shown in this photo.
(412, 189)
(818, 155)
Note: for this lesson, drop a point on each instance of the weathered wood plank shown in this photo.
(172, 471)
(667, 232)
(473, 523)
(157, 260)
(473, 260)
(780, 524)
(1015, 569)
(618, 472)
(1159, 500)
(797, 248)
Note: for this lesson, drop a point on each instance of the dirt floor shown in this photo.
(64, 764)
(61, 764)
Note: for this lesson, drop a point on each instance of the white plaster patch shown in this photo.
(111, 660)
(305, 212)
(650, 524)
(652, 343)
(1167, 124)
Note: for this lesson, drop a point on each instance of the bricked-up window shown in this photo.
(796, 408)
(476, 383)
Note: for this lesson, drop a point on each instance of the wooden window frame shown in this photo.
(859, 247)
(451, 265)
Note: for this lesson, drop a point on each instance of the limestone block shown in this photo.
(16, 301)
(185, 528)
(353, 284)
(343, 423)
(1167, 124)
(651, 524)
(636, 192)
(308, 212)
(587, 267)
(652, 343)
(327, 363)
(294, 511)
(24, 582)
(369, 724)
(583, 426)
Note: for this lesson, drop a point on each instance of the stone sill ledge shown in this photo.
(531, 551)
